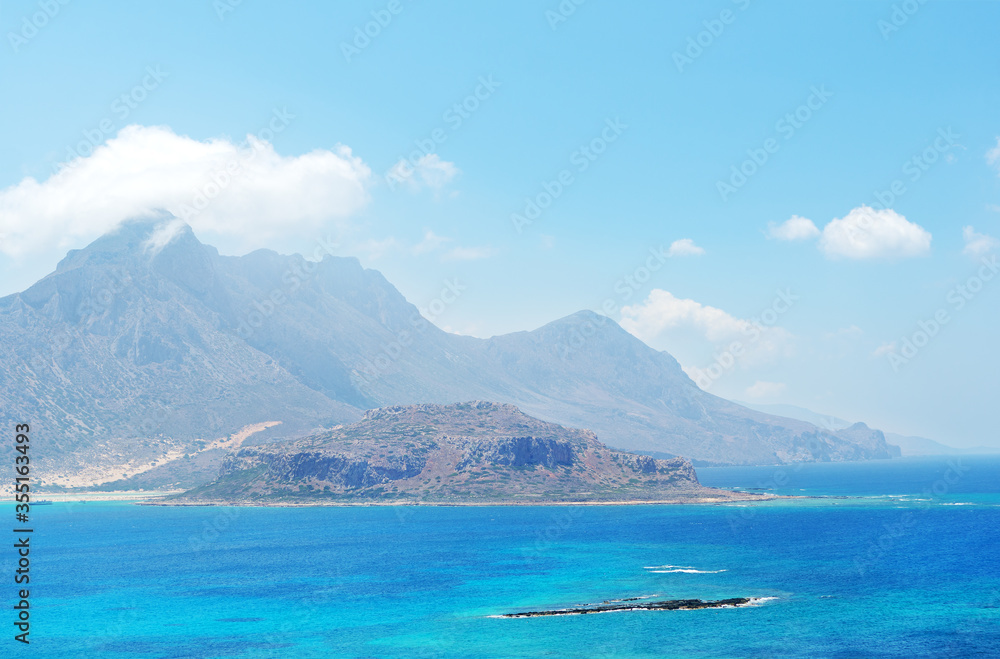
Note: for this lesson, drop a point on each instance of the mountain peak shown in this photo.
(139, 235)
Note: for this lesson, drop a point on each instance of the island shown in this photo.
(472, 453)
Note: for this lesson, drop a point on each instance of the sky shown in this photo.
(799, 201)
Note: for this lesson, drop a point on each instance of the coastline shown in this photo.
(123, 495)
(498, 503)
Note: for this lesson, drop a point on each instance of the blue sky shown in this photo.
(534, 87)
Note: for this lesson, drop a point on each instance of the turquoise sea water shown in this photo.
(904, 571)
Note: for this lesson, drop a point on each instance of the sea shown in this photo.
(879, 559)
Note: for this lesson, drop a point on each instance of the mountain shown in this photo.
(923, 446)
(147, 348)
(907, 446)
(464, 453)
(802, 414)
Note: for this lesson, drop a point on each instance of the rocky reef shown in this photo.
(633, 604)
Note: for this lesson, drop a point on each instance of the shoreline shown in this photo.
(156, 498)
(700, 501)
(79, 497)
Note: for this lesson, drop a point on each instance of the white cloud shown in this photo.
(794, 228)
(840, 343)
(762, 389)
(662, 312)
(884, 349)
(248, 191)
(866, 233)
(467, 253)
(978, 244)
(684, 247)
(993, 155)
(427, 172)
(431, 242)
(163, 234)
(852, 332)
(376, 249)
(662, 316)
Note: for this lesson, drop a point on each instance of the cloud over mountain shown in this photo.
(144, 170)
(663, 318)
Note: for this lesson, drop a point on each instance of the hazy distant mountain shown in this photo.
(909, 446)
(924, 446)
(795, 412)
(467, 452)
(139, 350)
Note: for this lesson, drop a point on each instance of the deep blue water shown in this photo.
(901, 573)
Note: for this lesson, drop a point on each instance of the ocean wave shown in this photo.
(689, 569)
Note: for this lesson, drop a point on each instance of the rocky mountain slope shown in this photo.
(461, 453)
(145, 347)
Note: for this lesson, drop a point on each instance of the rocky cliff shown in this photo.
(467, 452)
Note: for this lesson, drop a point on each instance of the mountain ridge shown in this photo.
(157, 342)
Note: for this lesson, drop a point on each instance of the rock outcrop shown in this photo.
(468, 452)
(633, 605)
